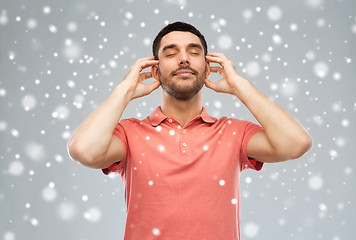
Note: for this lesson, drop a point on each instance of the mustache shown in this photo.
(195, 72)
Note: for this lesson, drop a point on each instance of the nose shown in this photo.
(184, 59)
(184, 62)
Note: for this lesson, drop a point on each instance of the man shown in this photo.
(180, 166)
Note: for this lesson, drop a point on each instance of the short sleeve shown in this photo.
(118, 167)
(246, 163)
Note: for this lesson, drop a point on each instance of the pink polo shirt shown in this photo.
(183, 182)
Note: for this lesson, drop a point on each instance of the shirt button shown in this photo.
(184, 131)
(184, 144)
(170, 120)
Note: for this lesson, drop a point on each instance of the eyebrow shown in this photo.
(190, 45)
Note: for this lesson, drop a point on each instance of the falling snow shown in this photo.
(16, 168)
(251, 230)
(59, 61)
(274, 13)
(66, 211)
(225, 42)
(156, 231)
(93, 214)
(315, 182)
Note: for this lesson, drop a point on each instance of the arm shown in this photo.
(283, 137)
(93, 143)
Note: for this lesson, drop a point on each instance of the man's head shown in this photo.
(182, 70)
(177, 26)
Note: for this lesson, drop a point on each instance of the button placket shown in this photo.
(184, 145)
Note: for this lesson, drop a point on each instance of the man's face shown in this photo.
(182, 66)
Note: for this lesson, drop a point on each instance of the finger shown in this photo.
(148, 63)
(224, 62)
(145, 75)
(214, 59)
(210, 84)
(145, 59)
(154, 85)
(216, 54)
(217, 70)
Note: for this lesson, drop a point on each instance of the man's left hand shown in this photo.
(228, 82)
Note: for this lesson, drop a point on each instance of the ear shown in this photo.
(207, 71)
(154, 71)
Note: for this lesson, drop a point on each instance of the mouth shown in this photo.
(184, 73)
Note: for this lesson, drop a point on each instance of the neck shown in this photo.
(182, 111)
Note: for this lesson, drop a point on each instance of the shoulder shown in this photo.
(234, 122)
(133, 122)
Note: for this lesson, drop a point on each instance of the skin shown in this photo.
(182, 70)
(283, 137)
(184, 54)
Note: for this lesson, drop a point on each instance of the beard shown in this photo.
(183, 88)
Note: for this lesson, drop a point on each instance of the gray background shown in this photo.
(59, 60)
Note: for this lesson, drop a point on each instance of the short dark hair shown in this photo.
(177, 26)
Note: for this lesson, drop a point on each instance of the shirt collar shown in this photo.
(157, 116)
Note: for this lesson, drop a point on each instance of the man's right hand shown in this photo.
(134, 78)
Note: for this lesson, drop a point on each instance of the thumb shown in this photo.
(154, 85)
(210, 84)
